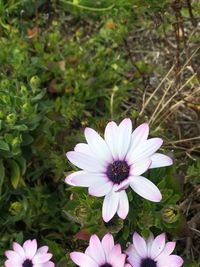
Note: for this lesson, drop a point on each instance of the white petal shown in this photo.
(139, 136)
(111, 138)
(101, 189)
(83, 260)
(85, 162)
(160, 160)
(42, 258)
(122, 186)
(85, 179)
(140, 245)
(83, 148)
(30, 248)
(172, 261)
(123, 207)
(98, 145)
(145, 150)
(110, 205)
(95, 250)
(134, 258)
(149, 244)
(140, 167)
(107, 244)
(17, 248)
(145, 188)
(168, 249)
(124, 138)
(157, 245)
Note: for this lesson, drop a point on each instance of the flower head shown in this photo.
(152, 252)
(111, 164)
(28, 255)
(100, 254)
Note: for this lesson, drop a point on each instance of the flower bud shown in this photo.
(35, 82)
(15, 208)
(11, 118)
(170, 214)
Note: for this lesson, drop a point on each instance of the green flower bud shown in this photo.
(35, 82)
(1, 115)
(23, 89)
(16, 141)
(5, 83)
(170, 214)
(81, 213)
(26, 108)
(11, 118)
(15, 208)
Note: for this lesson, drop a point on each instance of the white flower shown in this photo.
(110, 165)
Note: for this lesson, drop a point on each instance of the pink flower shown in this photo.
(152, 252)
(110, 165)
(28, 255)
(100, 254)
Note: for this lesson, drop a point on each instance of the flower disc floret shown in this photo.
(118, 171)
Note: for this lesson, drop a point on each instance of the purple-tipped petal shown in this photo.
(111, 138)
(85, 179)
(123, 207)
(101, 189)
(124, 138)
(145, 188)
(97, 145)
(83, 260)
(85, 162)
(140, 245)
(110, 205)
(160, 160)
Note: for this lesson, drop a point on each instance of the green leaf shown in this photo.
(2, 174)
(4, 146)
(15, 173)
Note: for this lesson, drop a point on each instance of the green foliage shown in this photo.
(66, 65)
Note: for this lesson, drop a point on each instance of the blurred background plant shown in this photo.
(66, 65)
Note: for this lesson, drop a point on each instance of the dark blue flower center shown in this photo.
(27, 263)
(118, 171)
(148, 263)
(106, 265)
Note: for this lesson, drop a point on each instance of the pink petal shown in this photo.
(101, 189)
(122, 186)
(140, 167)
(97, 145)
(13, 256)
(30, 248)
(47, 264)
(172, 261)
(17, 248)
(168, 249)
(115, 258)
(145, 188)
(123, 207)
(10, 263)
(134, 258)
(160, 160)
(145, 150)
(85, 162)
(42, 258)
(111, 138)
(124, 138)
(107, 244)
(149, 244)
(83, 260)
(157, 245)
(95, 250)
(85, 179)
(140, 245)
(110, 205)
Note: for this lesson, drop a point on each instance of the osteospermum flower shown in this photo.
(28, 255)
(100, 254)
(111, 164)
(152, 252)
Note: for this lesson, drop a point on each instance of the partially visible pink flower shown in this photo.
(112, 164)
(152, 252)
(28, 255)
(100, 254)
